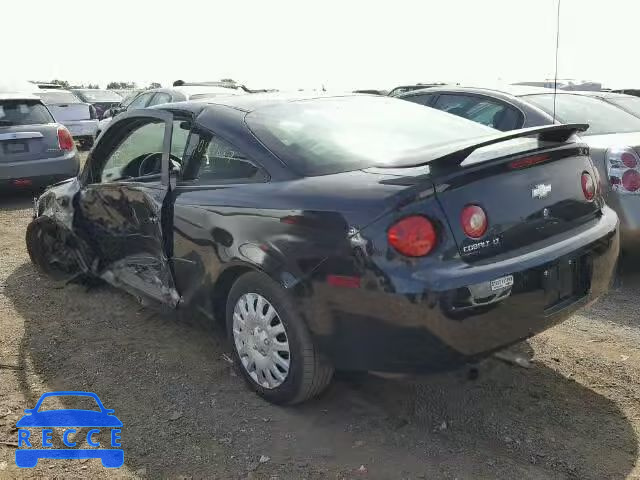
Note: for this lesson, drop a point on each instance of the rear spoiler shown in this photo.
(450, 156)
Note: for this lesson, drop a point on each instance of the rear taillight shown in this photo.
(474, 221)
(631, 181)
(65, 140)
(412, 236)
(588, 186)
(623, 169)
(93, 114)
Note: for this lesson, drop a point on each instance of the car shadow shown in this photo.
(185, 411)
(16, 200)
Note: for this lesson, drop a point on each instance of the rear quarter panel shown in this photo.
(286, 229)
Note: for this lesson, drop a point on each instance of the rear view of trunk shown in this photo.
(27, 131)
(69, 112)
(498, 207)
(29, 142)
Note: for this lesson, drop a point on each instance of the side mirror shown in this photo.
(107, 113)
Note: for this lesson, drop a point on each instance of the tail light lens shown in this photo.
(93, 114)
(631, 181)
(412, 236)
(65, 140)
(474, 221)
(623, 169)
(588, 186)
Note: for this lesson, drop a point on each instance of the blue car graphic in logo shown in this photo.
(67, 419)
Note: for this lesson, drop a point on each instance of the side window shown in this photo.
(140, 101)
(159, 98)
(421, 99)
(212, 159)
(134, 156)
(125, 160)
(482, 110)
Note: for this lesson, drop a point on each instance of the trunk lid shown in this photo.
(69, 112)
(528, 183)
(28, 142)
(526, 198)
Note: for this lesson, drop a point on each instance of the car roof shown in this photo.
(250, 102)
(53, 90)
(514, 90)
(17, 96)
(189, 90)
(602, 94)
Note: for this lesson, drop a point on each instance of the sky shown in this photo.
(307, 44)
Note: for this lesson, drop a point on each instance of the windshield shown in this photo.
(628, 103)
(602, 117)
(23, 112)
(93, 96)
(60, 96)
(331, 135)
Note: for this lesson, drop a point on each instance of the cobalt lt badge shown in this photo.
(540, 191)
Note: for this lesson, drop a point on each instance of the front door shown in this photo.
(120, 208)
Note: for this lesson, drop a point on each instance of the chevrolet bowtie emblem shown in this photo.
(540, 191)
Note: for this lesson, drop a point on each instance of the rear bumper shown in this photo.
(82, 128)
(40, 172)
(444, 317)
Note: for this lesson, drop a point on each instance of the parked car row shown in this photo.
(353, 231)
(157, 96)
(80, 117)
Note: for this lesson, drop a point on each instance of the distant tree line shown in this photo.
(130, 86)
(66, 85)
(110, 86)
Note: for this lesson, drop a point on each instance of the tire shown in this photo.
(43, 236)
(309, 373)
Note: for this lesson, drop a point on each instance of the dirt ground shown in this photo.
(574, 414)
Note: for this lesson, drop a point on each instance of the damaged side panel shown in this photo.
(109, 231)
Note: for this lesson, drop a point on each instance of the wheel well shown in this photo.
(222, 288)
(45, 238)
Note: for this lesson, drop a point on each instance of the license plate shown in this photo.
(15, 147)
(564, 280)
(502, 282)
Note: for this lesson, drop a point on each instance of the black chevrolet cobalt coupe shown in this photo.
(336, 232)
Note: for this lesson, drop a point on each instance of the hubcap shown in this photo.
(261, 340)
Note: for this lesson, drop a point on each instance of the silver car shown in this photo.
(614, 141)
(613, 135)
(34, 150)
(80, 118)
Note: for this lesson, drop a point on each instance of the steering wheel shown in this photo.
(175, 163)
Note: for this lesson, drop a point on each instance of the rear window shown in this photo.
(50, 98)
(601, 116)
(23, 112)
(95, 96)
(629, 103)
(331, 135)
